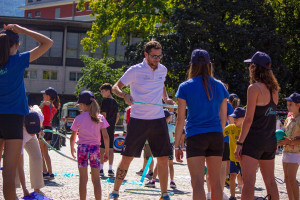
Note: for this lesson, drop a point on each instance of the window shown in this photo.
(29, 15)
(30, 74)
(30, 1)
(50, 75)
(75, 76)
(57, 13)
(38, 13)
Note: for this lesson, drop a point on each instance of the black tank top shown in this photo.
(262, 130)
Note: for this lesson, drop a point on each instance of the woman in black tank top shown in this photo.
(257, 142)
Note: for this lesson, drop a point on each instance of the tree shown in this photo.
(97, 72)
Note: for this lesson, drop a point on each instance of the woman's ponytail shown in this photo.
(56, 102)
(4, 49)
(94, 111)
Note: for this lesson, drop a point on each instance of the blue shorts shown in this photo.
(235, 167)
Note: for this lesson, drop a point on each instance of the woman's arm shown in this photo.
(72, 143)
(223, 113)
(106, 144)
(179, 128)
(45, 42)
(22, 176)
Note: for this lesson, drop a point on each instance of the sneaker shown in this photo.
(232, 198)
(111, 173)
(150, 174)
(46, 176)
(165, 198)
(140, 172)
(208, 196)
(113, 196)
(172, 185)
(238, 190)
(101, 172)
(51, 177)
(150, 184)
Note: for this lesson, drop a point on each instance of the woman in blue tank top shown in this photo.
(257, 142)
(13, 100)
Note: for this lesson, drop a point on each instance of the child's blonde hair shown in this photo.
(94, 111)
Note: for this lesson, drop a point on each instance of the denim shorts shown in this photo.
(85, 153)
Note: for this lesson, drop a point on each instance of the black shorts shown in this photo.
(205, 144)
(258, 153)
(48, 135)
(140, 130)
(11, 126)
(111, 135)
(226, 152)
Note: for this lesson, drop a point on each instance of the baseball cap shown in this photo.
(167, 113)
(238, 113)
(32, 122)
(260, 58)
(232, 96)
(51, 92)
(295, 97)
(198, 53)
(85, 97)
(13, 37)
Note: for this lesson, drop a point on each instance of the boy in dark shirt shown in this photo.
(109, 109)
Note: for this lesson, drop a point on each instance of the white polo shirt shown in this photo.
(147, 86)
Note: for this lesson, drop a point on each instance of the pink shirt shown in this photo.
(89, 132)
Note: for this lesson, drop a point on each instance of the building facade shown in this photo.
(56, 9)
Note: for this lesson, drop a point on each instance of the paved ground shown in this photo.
(66, 188)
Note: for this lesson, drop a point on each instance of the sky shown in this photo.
(10, 8)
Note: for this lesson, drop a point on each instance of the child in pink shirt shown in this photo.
(88, 125)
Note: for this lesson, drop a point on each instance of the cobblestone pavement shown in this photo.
(66, 188)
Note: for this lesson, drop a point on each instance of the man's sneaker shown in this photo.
(101, 172)
(172, 185)
(232, 198)
(150, 174)
(51, 176)
(208, 195)
(113, 196)
(140, 172)
(111, 172)
(46, 176)
(165, 198)
(151, 184)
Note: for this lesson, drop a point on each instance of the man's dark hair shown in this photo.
(106, 86)
(152, 44)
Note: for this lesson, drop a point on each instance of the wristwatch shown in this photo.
(239, 143)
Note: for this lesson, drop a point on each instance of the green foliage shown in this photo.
(122, 18)
(97, 72)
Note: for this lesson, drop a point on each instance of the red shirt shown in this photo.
(128, 115)
(48, 115)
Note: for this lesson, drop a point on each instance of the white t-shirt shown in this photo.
(147, 86)
(26, 135)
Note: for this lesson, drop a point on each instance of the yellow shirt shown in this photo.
(234, 133)
(292, 129)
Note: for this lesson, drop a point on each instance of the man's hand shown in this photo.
(128, 99)
(169, 101)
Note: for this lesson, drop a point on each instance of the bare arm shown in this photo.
(118, 117)
(230, 119)
(223, 113)
(72, 143)
(106, 143)
(179, 128)
(22, 176)
(45, 42)
(117, 90)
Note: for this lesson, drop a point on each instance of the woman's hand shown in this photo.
(286, 141)
(13, 27)
(238, 152)
(26, 193)
(179, 155)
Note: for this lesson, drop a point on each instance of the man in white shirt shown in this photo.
(147, 122)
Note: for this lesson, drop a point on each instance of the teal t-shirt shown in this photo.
(203, 114)
(171, 129)
(13, 99)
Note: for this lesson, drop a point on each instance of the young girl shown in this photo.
(32, 126)
(291, 151)
(257, 142)
(88, 125)
(49, 107)
(13, 100)
(204, 130)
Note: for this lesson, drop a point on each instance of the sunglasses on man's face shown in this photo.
(156, 57)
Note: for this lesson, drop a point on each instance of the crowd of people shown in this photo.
(217, 134)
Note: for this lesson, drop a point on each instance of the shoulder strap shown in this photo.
(261, 92)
